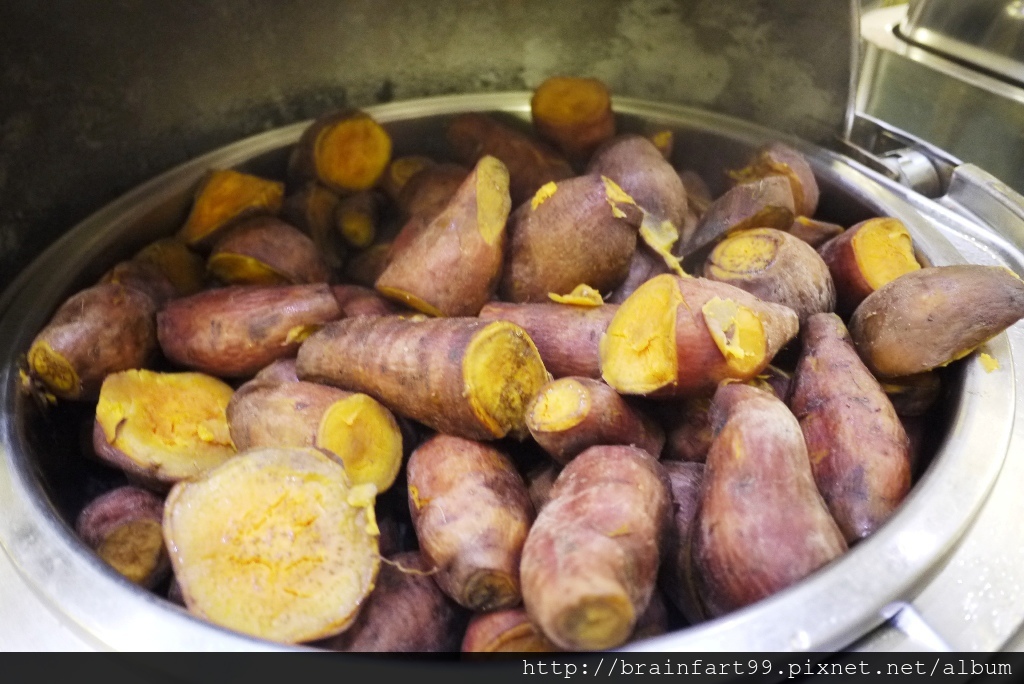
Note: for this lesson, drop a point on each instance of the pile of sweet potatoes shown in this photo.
(549, 392)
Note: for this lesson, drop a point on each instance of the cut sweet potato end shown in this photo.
(356, 227)
(52, 369)
(638, 350)
(490, 590)
(566, 100)
(400, 170)
(239, 269)
(560, 405)
(884, 251)
(225, 195)
(598, 623)
(493, 202)
(581, 295)
(366, 437)
(353, 153)
(410, 300)
(738, 334)
(501, 373)
(276, 543)
(172, 423)
(744, 254)
(135, 549)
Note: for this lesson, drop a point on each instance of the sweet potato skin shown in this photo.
(574, 114)
(472, 512)
(356, 300)
(261, 414)
(505, 631)
(860, 455)
(235, 331)
(676, 577)
(291, 255)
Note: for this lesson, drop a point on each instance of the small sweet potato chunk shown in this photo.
(357, 217)
(761, 525)
(763, 203)
(929, 318)
(505, 631)
(400, 171)
(101, 330)
(275, 543)
(814, 232)
(573, 113)
(266, 251)
(311, 209)
(346, 150)
(163, 427)
(183, 267)
(471, 512)
(779, 159)
(225, 197)
(235, 331)
(859, 451)
(123, 527)
(590, 562)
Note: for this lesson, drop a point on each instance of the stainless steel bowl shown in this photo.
(828, 611)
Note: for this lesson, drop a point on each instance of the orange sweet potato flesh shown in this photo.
(461, 376)
(859, 452)
(182, 266)
(235, 331)
(225, 197)
(275, 543)
(267, 251)
(101, 330)
(591, 559)
(573, 113)
(471, 512)
(346, 150)
(163, 427)
(761, 525)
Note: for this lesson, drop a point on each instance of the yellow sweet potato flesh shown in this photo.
(366, 437)
(738, 333)
(244, 270)
(277, 543)
(226, 196)
(884, 251)
(560, 405)
(353, 153)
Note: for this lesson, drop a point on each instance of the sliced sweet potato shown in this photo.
(573, 113)
(346, 150)
(225, 197)
(400, 171)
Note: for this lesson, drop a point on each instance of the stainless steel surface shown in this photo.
(988, 34)
(955, 106)
(828, 611)
(98, 97)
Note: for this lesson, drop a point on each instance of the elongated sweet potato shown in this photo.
(311, 209)
(266, 251)
(572, 414)
(163, 427)
(123, 527)
(225, 197)
(452, 267)
(590, 562)
(929, 318)
(859, 451)
(354, 427)
(775, 266)
(406, 613)
(235, 331)
(275, 543)
(676, 577)
(461, 376)
(346, 150)
(101, 330)
(574, 114)
(682, 336)
(762, 525)
(782, 160)
(531, 163)
(567, 336)
(472, 512)
(867, 256)
(579, 231)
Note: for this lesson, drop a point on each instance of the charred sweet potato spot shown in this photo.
(135, 549)
(493, 203)
(352, 153)
(884, 251)
(240, 269)
(227, 195)
(743, 254)
(738, 333)
(365, 436)
(638, 350)
(501, 372)
(560, 405)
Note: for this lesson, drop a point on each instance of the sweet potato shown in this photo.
(471, 512)
(782, 160)
(225, 197)
(531, 163)
(358, 216)
(682, 336)
(123, 527)
(591, 559)
(354, 427)
(761, 525)
(698, 194)
(356, 300)
(311, 209)
(574, 114)
(644, 265)
(405, 613)
(579, 231)
(929, 318)
(427, 193)
(814, 232)
(867, 256)
(266, 251)
(664, 141)
(539, 481)
(676, 577)
(363, 268)
(913, 395)
(461, 376)
(567, 336)
(275, 543)
(346, 150)
(859, 451)
(571, 414)
(505, 631)
(100, 330)
(144, 276)
(452, 267)
(400, 171)
(688, 432)
(775, 266)
(184, 268)
(163, 427)
(235, 331)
